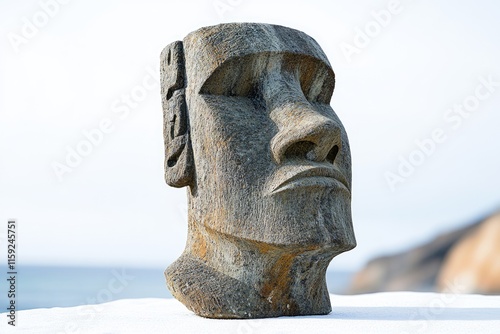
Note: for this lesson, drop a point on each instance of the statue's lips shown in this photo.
(315, 175)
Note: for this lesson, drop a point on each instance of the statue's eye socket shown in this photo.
(231, 81)
(317, 83)
(244, 88)
(242, 77)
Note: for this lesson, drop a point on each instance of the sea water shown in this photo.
(43, 286)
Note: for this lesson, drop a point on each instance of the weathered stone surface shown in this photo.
(179, 168)
(268, 167)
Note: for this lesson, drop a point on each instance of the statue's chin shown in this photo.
(326, 244)
(316, 239)
(300, 220)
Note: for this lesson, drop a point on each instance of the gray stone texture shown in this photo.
(249, 130)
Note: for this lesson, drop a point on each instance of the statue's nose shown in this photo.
(305, 133)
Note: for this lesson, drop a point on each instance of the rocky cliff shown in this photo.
(466, 260)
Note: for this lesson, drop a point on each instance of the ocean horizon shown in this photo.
(64, 286)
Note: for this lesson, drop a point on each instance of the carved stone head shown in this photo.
(249, 130)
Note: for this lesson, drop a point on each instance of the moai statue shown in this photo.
(249, 130)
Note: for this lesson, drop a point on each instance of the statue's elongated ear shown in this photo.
(179, 166)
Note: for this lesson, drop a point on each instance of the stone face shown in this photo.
(249, 129)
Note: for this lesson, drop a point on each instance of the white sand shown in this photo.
(396, 312)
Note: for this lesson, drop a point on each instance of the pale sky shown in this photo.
(407, 72)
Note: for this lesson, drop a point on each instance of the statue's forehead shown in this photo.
(209, 48)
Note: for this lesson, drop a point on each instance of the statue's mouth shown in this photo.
(318, 175)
